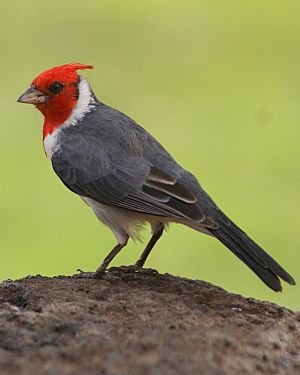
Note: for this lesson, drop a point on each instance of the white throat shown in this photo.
(85, 104)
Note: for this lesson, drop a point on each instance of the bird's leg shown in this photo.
(157, 232)
(101, 269)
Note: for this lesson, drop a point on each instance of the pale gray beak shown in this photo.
(32, 96)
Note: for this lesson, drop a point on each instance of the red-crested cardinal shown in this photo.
(126, 176)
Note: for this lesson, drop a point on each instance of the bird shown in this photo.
(126, 176)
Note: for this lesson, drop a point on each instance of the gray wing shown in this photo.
(119, 176)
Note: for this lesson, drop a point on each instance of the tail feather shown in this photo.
(265, 267)
(266, 259)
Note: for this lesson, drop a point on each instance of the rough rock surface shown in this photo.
(146, 323)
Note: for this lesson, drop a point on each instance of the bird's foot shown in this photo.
(147, 271)
(80, 271)
(100, 272)
(134, 268)
(127, 269)
(88, 275)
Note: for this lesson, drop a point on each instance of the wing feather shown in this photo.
(116, 176)
(123, 190)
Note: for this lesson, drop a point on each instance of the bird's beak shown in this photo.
(32, 96)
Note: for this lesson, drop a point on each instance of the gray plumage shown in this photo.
(111, 161)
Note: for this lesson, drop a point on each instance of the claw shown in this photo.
(135, 268)
(148, 271)
(127, 269)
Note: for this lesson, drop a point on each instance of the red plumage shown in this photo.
(66, 73)
(58, 107)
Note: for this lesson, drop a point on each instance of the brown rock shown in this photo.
(141, 323)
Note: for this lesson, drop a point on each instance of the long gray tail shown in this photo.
(265, 267)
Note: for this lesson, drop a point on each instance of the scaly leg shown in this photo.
(101, 269)
(157, 232)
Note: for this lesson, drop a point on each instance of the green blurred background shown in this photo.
(216, 82)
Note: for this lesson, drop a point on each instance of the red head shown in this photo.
(55, 94)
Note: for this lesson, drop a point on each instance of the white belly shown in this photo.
(122, 222)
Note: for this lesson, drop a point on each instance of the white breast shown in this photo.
(50, 143)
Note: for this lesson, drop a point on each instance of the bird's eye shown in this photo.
(56, 87)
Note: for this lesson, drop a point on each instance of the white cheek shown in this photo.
(84, 104)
